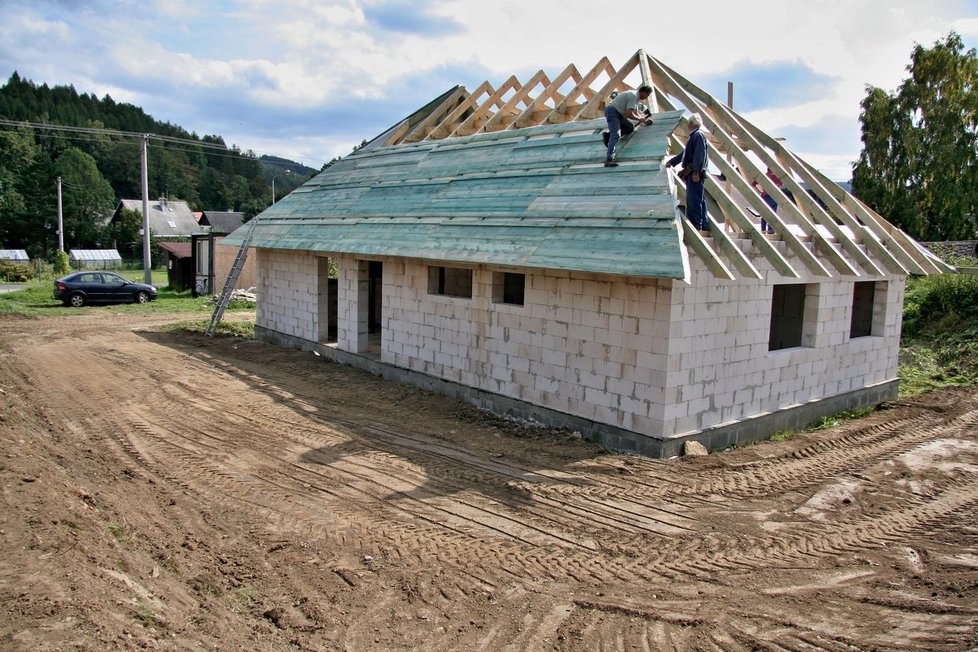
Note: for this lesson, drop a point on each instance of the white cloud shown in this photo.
(316, 76)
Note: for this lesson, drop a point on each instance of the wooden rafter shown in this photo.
(826, 229)
(508, 113)
(423, 128)
(481, 115)
(446, 126)
(568, 106)
(595, 107)
(537, 110)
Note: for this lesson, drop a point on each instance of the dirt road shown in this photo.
(168, 491)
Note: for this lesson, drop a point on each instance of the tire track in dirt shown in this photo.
(302, 465)
(194, 460)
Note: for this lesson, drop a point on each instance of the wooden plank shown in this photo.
(695, 241)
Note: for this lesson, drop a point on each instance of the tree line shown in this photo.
(919, 163)
(98, 167)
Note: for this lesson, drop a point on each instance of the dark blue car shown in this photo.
(100, 287)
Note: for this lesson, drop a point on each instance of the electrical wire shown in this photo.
(219, 150)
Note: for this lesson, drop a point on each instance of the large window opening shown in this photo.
(863, 305)
(787, 316)
(508, 287)
(450, 281)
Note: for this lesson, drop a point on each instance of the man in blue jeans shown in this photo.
(620, 112)
(695, 159)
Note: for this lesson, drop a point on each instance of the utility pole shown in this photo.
(274, 177)
(61, 226)
(147, 264)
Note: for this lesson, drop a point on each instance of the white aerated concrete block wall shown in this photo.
(722, 372)
(658, 357)
(287, 291)
(590, 346)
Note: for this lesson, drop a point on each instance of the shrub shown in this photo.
(939, 302)
(15, 272)
(61, 266)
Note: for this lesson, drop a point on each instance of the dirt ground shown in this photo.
(164, 490)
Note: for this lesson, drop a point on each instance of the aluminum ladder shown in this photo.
(232, 279)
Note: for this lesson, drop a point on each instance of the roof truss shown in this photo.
(827, 233)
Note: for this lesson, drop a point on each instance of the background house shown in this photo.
(221, 221)
(167, 218)
(481, 249)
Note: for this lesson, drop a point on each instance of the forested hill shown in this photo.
(98, 169)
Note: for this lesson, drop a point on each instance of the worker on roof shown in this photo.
(695, 159)
(620, 113)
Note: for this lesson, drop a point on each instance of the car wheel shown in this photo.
(141, 297)
(77, 300)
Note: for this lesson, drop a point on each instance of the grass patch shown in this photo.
(834, 420)
(146, 614)
(245, 329)
(36, 300)
(781, 435)
(944, 357)
(116, 531)
(245, 596)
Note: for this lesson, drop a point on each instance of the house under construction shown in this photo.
(482, 250)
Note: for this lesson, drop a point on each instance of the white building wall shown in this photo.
(659, 357)
(722, 370)
(287, 290)
(581, 344)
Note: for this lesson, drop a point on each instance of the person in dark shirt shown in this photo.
(695, 159)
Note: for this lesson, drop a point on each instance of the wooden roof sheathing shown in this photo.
(537, 197)
(512, 175)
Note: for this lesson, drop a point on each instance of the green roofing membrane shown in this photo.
(537, 197)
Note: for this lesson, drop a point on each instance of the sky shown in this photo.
(310, 79)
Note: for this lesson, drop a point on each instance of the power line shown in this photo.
(100, 131)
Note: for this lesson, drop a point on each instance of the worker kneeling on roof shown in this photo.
(620, 112)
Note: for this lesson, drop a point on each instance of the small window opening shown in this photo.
(863, 300)
(787, 316)
(450, 281)
(508, 287)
